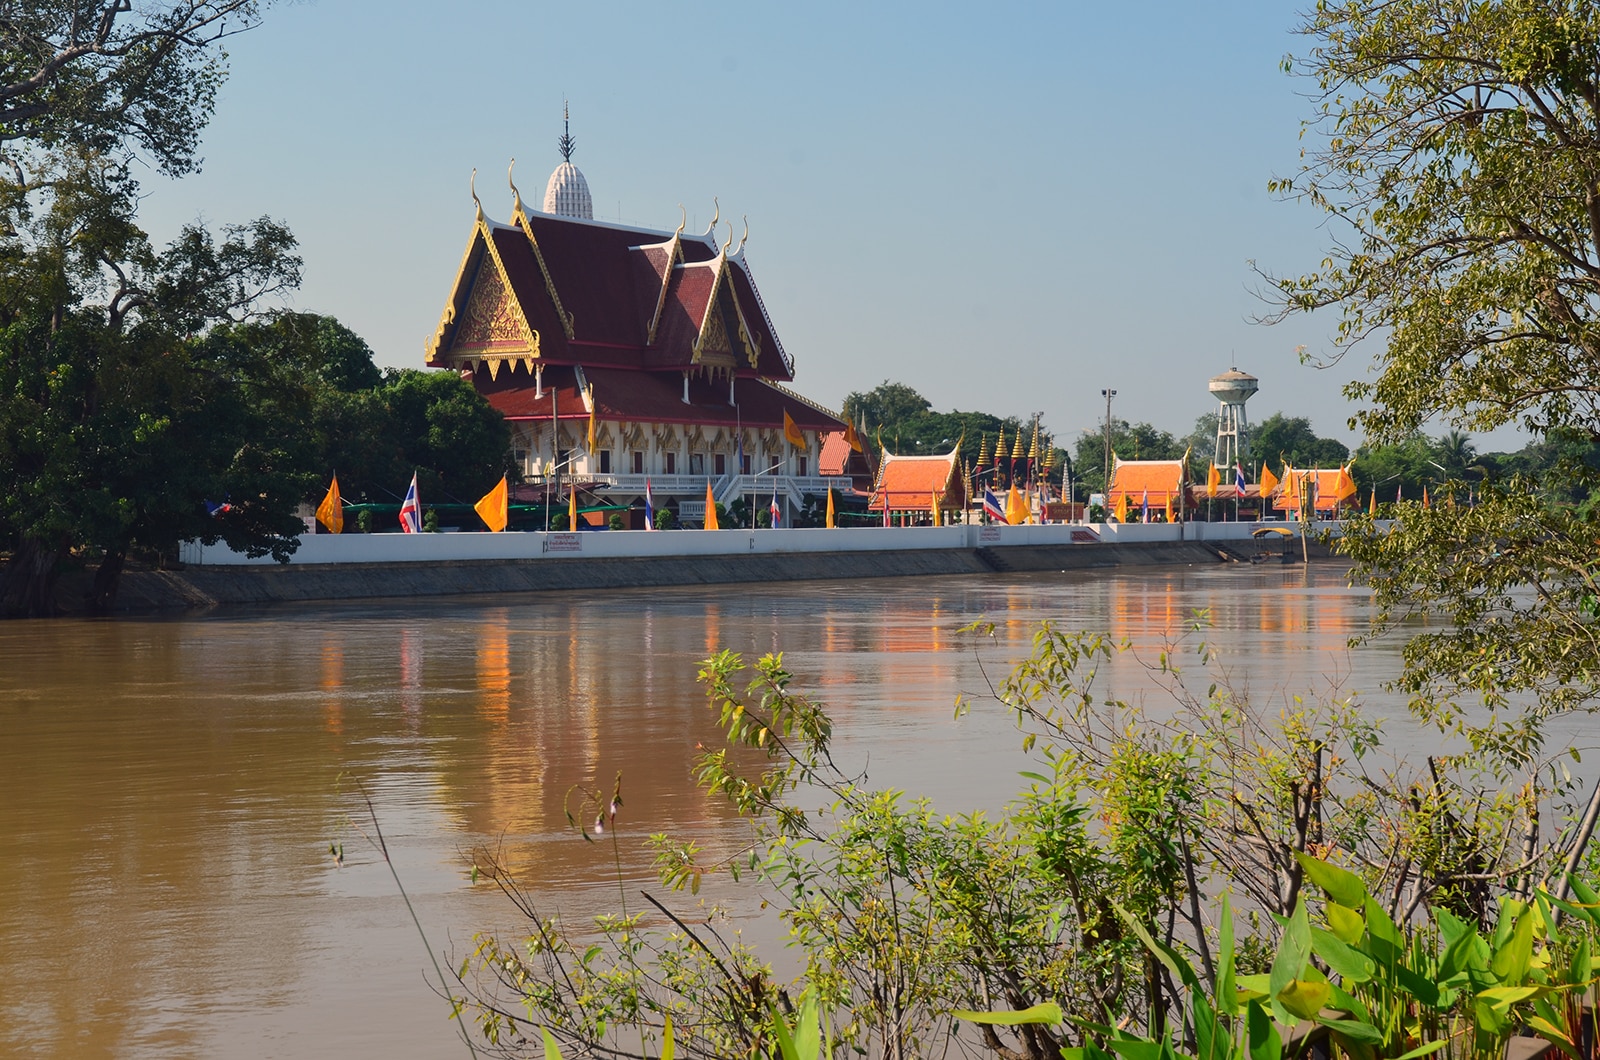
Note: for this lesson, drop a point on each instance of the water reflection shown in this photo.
(172, 785)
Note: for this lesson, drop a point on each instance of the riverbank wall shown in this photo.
(371, 566)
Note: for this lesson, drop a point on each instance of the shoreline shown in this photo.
(208, 586)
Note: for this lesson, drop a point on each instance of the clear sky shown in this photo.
(1006, 206)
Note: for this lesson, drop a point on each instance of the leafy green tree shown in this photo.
(1138, 441)
(441, 427)
(1279, 438)
(1452, 147)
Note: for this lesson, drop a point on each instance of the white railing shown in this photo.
(723, 486)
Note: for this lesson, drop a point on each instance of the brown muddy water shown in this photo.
(170, 786)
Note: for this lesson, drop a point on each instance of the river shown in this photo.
(172, 785)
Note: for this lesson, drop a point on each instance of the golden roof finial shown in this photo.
(746, 236)
(729, 243)
(472, 186)
(715, 217)
(516, 196)
(682, 222)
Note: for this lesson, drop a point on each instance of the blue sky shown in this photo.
(1007, 206)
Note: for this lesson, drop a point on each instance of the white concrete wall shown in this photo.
(402, 548)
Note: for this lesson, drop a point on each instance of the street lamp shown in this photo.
(1108, 395)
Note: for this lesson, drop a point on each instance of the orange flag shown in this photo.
(1425, 502)
(495, 507)
(1213, 480)
(852, 439)
(572, 511)
(330, 513)
(711, 507)
(933, 506)
(830, 523)
(1372, 505)
(792, 432)
(1269, 481)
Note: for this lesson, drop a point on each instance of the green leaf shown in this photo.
(1294, 950)
(1304, 998)
(1347, 924)
(552, 1051)
(1262, 1040)
(1424, 1050)
(1227, 997)
(1340, 885)
(1048, 1013)
(1355, 1030)
(1514, 956)
(1351, 964)
(668, 1047)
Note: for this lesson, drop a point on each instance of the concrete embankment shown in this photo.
(210, 586)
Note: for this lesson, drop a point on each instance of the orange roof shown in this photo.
(835, 454)
(1324, 480)
(911, 482)
(1159, 478)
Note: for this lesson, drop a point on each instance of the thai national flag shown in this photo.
(1238, 477)
(777, 514)
(410, 510)
(649, 508)
(992, 507)
(215, 510)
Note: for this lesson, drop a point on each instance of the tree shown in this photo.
(1279, 439)
(118, 422)
(1454, 150)
(1455, 144)
(1139, 441)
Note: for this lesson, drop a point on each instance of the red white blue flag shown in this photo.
(649, 508)
(992, 507)
(777, 513)
(410, 510)
(1238, 478)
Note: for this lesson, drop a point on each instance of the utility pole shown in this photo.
(1105, 489)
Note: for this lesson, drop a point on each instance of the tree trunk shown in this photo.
(103, 593)
(28, 582)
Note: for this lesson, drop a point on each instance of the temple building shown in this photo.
(622, 355)
(913, 487)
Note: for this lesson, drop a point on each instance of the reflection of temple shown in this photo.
(622, 355)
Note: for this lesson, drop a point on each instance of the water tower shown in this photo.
(1232, 388)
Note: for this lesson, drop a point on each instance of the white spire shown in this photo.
(567, 194)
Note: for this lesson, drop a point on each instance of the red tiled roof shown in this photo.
(910, 482)
(835, 454)
(654, 397)
(1326, 483)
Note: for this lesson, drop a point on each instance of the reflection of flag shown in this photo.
(991, 507)
(852, 439)
(330, 513)
(830, 509)
(410, 509)
(711, 509)
(792, 432)
(1213, 480)
(777, 513)
(495, 507)
(649, 508)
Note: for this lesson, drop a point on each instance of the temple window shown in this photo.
(697, 463)
(638, 462)
(672, 463)
(800, 463)
(744, 464)
(605, 461)
(721, 462)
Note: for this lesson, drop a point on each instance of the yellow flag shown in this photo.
(1169, 508)
(1269, 481)
(330, 513)
(792, 432)
(1425, 502)
(852, 439)
(1344, 486)
(1213, 480)
(1372, 505)
(711, 509)
(572, 510)
(830, 510)
(592, 408)
(1122, 508)
(933, 507)
(1016, 508)
(495, 507)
